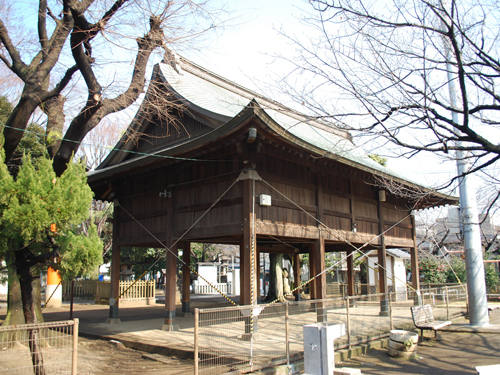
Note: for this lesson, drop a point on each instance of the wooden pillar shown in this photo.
(248, 247)
(115, 268)
(352, 207)
(186, 277)
(382, 262)
(350, 273)
(171, 272)
(319, 281)
(296, 275)
(415, 274)
(257, 268)
(248, 253)
(319, 266)
(312, 272)
(244, 279)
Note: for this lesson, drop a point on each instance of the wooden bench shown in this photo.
(423, 319)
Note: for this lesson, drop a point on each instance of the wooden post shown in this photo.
(248, 251)
(257, 268)
(196, 340)
(186, 277)
(171, 272)
(350, 273)
(382, 263)
(248, 287)
(170, 290)
(296, 275)
(74, 357)
(312, 272)
(320, 281)
(415, 274)
(115, 269)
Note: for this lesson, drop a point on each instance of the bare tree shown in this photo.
(381, 70)
(108, 44)
(98, 142)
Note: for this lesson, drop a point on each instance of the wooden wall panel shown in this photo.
(365, 209)
(277, 166)
(338, 223)
(366, 227)
(336, 203)
(395, 214)
(398, 232)
(362, 189)
(335, 182)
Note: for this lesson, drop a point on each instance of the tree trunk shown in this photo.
(275, 278)
(25, 281)
(15, 314)
(54, 109)
(16, 124)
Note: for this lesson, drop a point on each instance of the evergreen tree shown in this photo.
(40, 216)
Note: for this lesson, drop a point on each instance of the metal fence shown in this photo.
(41, 348)
(245, 338)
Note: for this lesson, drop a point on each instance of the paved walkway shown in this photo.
(460, 348)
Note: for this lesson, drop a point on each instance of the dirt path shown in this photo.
(104, 357)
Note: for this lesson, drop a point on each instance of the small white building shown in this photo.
(396, 272)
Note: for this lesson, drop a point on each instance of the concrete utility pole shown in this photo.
(476, 285)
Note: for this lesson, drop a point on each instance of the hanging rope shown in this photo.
(168, 249)
(323, 226)
(47, 302)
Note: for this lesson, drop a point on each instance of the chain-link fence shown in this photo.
(243, 338)
(41, 348)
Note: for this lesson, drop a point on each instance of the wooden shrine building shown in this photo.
(206, 160)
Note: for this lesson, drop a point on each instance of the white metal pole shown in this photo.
(478, 308)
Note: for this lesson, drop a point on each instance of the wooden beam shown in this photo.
(415, 274)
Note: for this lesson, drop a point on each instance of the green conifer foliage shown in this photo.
(40, 215)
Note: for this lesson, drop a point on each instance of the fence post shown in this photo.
(75, 347)
(447, 303)
(348, 302)
(287, 332)
(196, 321)
(390, 312)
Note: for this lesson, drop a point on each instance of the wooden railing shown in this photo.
(130, 290)
(82, 288)
(101, 290)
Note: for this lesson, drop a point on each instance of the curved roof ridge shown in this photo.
(179, 64)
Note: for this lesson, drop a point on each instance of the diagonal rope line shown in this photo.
(109, 148)
(325, 227)
(449, 265)
(169, 249)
